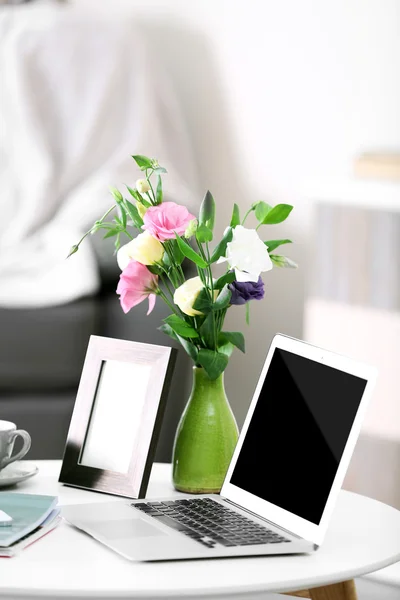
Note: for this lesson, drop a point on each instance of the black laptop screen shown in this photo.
(297, 434)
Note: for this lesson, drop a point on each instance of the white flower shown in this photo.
(185, 296)
(247, 254)
(144, 249)
(142, 186)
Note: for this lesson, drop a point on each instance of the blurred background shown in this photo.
(286, 101)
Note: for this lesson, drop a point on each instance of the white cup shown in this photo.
(8, 435)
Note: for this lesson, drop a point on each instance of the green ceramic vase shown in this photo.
(205, 439)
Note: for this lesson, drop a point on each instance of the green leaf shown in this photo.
(283, 261)
(159, 192)
(112, 232)
(181, 327)
(220, 249)
(189, 347)
(207, 211)
(204, 234)
(208, 331)
(166, 261)
(227, 348)
(234, 337)
(133, 213)
(160, 170)
(178, 255)
(213, 362)
(138, 197)
(155, 269)
(262, 211)
(122, 213)
(190, 253)
(143, 162)
(223, 299)
(134, 193)
(203, 303)
(169, 331)
(229, 277)
(235, 220)
(117, 243)
(276, 215)
(272, 244)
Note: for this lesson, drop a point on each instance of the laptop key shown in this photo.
(224, 542)
(170, 522)
(209, 523)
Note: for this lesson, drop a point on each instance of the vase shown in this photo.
(205, 438)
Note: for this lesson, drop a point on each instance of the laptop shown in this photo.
(284, 477)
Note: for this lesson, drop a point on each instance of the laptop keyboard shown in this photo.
(210, 523)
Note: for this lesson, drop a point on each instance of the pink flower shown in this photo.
(163, 220)
(136, 283)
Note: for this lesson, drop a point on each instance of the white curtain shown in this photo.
(79, 93)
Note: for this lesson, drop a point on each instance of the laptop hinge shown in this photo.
(262, 518)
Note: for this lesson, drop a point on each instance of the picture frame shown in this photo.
(117, 416)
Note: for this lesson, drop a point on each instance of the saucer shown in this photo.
(16, 472)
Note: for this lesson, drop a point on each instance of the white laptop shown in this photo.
(283, 479)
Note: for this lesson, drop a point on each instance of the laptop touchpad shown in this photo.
(124, 528)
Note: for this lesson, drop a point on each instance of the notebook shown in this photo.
(52, 521)
(28, 512)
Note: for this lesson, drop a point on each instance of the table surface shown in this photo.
(364, 535)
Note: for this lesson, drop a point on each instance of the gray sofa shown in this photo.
(42, 352)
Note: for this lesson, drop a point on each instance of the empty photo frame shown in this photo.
(117, 416)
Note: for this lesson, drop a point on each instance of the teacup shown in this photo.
(8, 434)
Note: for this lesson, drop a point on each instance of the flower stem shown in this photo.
(166, 300)
(215, 317)
(151, 187)
(176, 308)
(247, 214)
(153, 203)
(96, 224)
(126, 232)
(201, 271)
(107, 213)
(165, 280)
(180, 278)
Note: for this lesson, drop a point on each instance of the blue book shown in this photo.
(28, 512)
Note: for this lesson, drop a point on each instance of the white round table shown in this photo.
(364, 536)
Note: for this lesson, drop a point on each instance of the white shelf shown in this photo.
(379, 195)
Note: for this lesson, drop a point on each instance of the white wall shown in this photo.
(276, 93)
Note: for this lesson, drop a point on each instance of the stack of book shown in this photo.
(378, 165)
(27, 518)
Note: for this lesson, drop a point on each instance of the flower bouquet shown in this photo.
(161, 236)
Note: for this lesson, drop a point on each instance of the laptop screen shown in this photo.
(297, 434)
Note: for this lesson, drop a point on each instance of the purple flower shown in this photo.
(243, 292)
